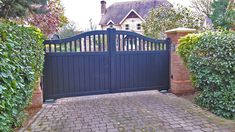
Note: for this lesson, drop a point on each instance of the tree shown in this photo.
(19, 8)
(203, 7)
(68, 30)
(223, 14)
(52, 20)
(164, 18)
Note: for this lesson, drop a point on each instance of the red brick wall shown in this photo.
(180, 83)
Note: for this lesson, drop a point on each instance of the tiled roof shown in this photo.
(117, 11)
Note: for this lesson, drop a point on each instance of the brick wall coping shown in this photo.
(181, 29)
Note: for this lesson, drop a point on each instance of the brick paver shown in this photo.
(146, 111)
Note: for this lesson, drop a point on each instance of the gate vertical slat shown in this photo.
(119, 72)
(70, 46)
(65, 46)
(127, 43)
(75, 45)
(144, 45)
(79, 73)
(155, 46)
(119, 42)
(132, 68)
(89, 43)
(94, 42)
(49, 47)
(85, 46)
(80, 45)
(54, 47)
(151, 45)
(60, 48)
(123, 42)
(124, 70)
(83, 74)
(147, 45)
(135, 70)
(112, 49)
(74, 75)
(61, 74)
(103, 42)
(99, 46)
(135, 41)
(131, 42)
(86, 73)
(99, 73)
(104, 70)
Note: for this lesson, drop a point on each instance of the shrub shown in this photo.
(21, 63)
(212, 62)
(186, 45)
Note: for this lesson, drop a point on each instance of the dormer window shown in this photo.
(127, 27)
(138, 26)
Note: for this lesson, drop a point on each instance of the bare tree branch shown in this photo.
(203, 7)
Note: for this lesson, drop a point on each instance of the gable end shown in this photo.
(131, 14)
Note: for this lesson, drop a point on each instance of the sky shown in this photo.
(81, 11)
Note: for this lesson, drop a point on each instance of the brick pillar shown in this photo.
(37, 99)
(180, 83)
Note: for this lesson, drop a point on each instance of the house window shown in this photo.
(111, 25)
(127, 26)
(138, 26)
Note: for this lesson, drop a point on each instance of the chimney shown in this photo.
(103, 7)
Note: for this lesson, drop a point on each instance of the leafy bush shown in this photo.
(212, 62)
(21, 63)
(186, 45)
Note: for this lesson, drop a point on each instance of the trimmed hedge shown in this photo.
(211, 62)
(21, 64)
(187, 44)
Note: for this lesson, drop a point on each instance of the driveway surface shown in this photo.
(148, 111)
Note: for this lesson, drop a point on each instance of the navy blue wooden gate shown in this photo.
(105, 61)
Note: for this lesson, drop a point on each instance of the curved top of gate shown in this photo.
(89, 33)
(96, 41)
(140, 36)
(73, 38)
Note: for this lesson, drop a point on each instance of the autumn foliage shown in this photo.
(52, 20)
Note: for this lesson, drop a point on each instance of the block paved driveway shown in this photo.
(148, 111)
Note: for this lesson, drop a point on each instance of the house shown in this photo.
(128, 15)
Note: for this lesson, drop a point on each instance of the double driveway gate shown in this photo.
(105, 61)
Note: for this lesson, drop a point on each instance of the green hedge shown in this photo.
(211, 62)
(21, 64)
(187, 44)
